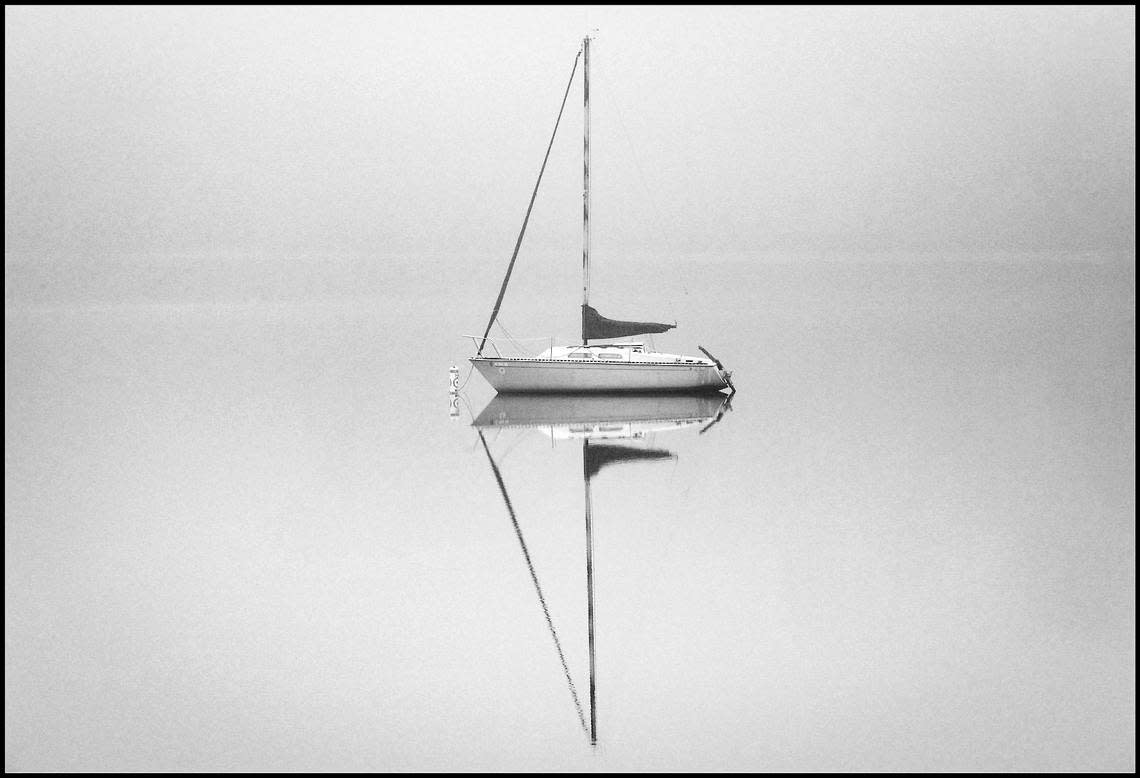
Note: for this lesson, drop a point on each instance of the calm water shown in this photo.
(242, 531)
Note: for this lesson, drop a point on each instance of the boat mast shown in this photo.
(585, 184)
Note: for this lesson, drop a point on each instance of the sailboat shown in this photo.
(626, 366)
(596, 420)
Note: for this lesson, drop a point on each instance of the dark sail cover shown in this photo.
(598, 455)
(598, 327)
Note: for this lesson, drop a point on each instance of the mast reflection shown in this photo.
(595, 420)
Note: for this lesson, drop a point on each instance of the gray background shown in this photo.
(241, 531)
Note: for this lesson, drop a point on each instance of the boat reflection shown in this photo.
(596, 420)
(593, 416)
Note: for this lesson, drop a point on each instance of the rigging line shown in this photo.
(470, 414)
(510, 337)
(470, 370)
(658, 221)
(534, 578)
(511, 448)
(514, 256)
(515, 343)
(651, 200)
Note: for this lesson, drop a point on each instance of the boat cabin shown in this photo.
(609, 352)
(616, 352)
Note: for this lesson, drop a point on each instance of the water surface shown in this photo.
(243, 532)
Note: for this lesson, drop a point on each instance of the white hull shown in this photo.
(559, 375)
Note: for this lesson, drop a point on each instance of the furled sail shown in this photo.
(598, 455)
(597, 327)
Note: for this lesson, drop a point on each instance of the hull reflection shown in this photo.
(615, 416)
(593, 419)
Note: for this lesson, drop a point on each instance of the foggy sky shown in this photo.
(404, 130)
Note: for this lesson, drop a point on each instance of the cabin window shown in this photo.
(581, 356)
(609, 356)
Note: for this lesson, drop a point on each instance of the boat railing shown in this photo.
(515, 342)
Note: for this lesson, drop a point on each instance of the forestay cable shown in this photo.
(514, 256)
(534, 579)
